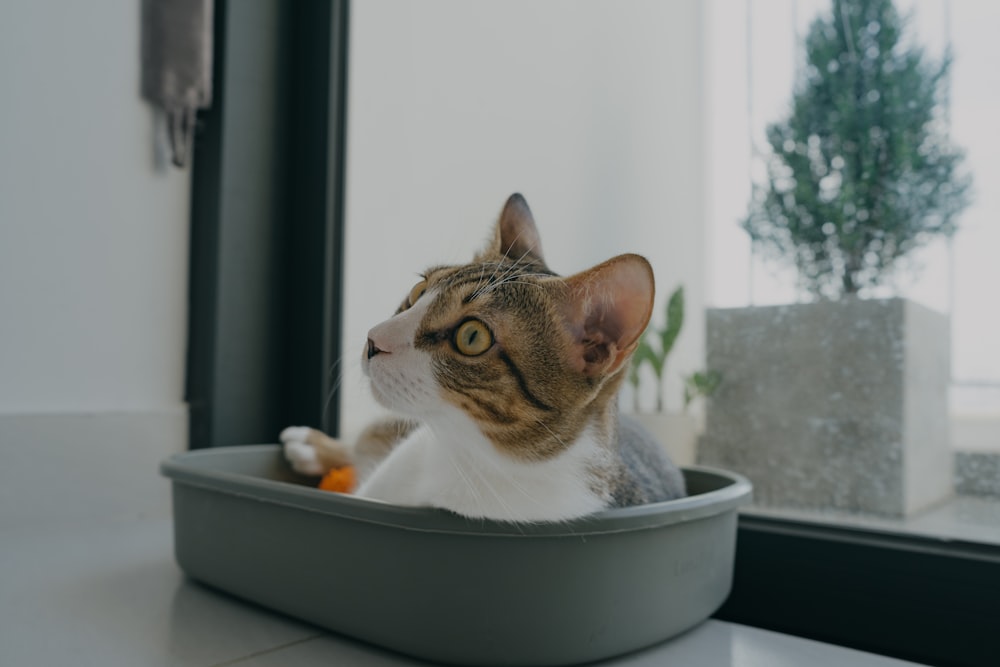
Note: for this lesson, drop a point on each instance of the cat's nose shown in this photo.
(373, 349)
(388, 337)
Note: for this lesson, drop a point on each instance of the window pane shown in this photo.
(884, 404)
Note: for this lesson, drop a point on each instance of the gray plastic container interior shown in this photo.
(440, 587)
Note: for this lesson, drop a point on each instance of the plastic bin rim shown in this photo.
(183, 469)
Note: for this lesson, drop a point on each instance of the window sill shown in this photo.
(974, 519)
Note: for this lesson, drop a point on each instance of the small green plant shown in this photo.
(654, 348)
(656, 353)
(700, 384)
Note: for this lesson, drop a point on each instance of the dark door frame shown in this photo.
(267, 223)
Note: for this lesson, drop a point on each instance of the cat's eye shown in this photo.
(472, 338)
(417, 292)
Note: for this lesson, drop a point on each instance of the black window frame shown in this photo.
(261, 352)
(930, 600)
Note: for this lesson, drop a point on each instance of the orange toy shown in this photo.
(339, 480)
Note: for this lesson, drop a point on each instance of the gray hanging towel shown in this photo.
(177, 65)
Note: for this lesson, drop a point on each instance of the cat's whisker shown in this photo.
(499, 498)
(513, 280)
(433, 428)
(480, 282)
(463, 475)
(334, 388)
(484, 287)
(465, 479)
(517, 263)
(511, 244)
(512, 480)
(474, 488)
(502, 260)
(551, 432)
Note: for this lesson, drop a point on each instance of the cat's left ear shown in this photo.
(515, 235)
(607, 309)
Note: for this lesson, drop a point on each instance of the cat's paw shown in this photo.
(300, 452)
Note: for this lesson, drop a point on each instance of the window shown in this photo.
(858, 502)
(757, 55)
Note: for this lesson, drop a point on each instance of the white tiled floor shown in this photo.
(109, 594)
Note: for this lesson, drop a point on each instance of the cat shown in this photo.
(505, 376)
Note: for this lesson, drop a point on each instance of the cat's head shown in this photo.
(532, 358)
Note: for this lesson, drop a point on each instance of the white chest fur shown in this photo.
(449, 464)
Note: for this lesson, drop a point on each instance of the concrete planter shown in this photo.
(833, 405)
(676, 431)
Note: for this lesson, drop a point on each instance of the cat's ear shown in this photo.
(607, 309)
(515, 236)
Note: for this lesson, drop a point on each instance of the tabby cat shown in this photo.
(505, 376)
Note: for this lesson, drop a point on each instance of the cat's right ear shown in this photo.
(515, 235)
(607, 309)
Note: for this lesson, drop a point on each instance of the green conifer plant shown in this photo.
(862, 171)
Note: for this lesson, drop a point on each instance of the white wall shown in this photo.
(93, 233)
(93, 271)
(591, 109)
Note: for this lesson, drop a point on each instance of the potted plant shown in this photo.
(841, 403)
(678, 431)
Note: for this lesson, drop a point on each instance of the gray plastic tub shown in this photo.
(440, 587)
